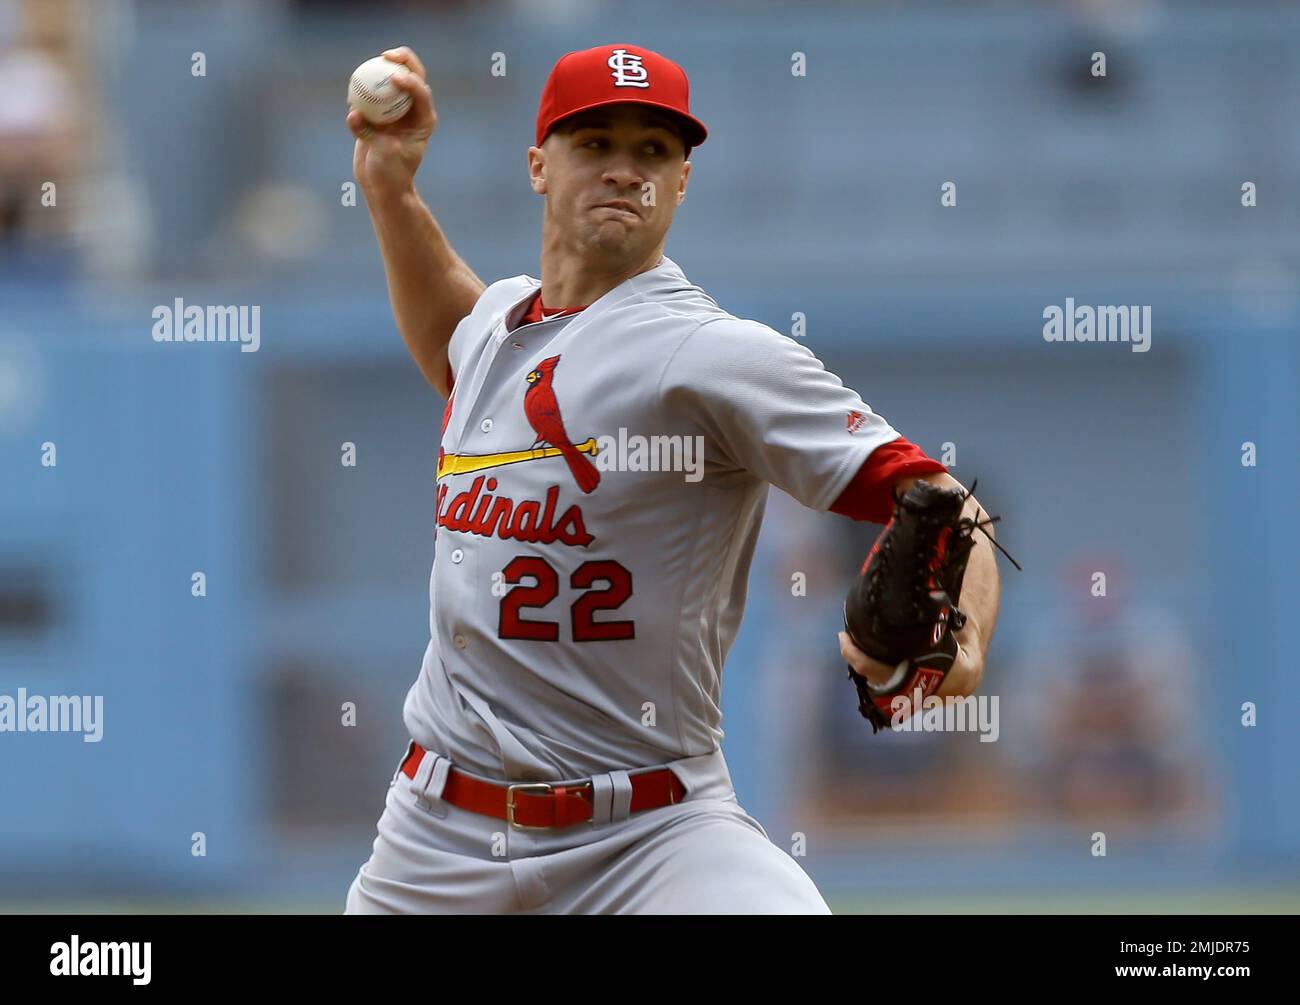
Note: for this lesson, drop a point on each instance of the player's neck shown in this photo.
(569, 281)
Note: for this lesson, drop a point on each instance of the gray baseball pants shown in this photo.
(704, 855)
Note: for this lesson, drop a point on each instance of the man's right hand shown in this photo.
(387, 156)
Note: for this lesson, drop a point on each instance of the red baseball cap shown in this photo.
(613, 74)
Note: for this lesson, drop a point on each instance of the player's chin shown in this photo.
(624, 226)
(613, 237)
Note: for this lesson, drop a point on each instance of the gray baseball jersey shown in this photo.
(602, 480)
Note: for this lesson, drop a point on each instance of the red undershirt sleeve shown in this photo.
(451, 378)
(869, 496)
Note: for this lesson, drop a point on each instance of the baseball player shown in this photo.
(608, 440)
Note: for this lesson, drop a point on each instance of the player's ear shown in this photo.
(681, 188)
(537, 169)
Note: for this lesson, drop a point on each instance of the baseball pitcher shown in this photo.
(608, 440)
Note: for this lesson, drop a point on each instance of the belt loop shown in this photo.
(438, 777)
(431, 776)
(621, 807)
(602, 798)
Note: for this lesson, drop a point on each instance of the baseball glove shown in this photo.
(902, 609)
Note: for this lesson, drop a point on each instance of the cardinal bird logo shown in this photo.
(543, 413)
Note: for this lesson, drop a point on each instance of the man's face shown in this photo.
(625, 153)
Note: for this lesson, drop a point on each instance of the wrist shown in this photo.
(970, 636)
(390, 199)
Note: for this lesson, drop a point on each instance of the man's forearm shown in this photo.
(430, 287)
(981, 590)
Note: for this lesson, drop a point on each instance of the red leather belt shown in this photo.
(542, 805)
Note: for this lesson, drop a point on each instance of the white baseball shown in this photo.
(373, 93)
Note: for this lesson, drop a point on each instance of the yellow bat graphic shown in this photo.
(462, 464)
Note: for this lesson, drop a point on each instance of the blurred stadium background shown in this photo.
(817, 194)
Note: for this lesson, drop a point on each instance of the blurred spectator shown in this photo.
(1107, 692)
(36, 132)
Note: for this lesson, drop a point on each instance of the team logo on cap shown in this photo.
(628, 71)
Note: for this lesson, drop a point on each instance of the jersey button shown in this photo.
(486, 425)
(457, 556)
(458, 641)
